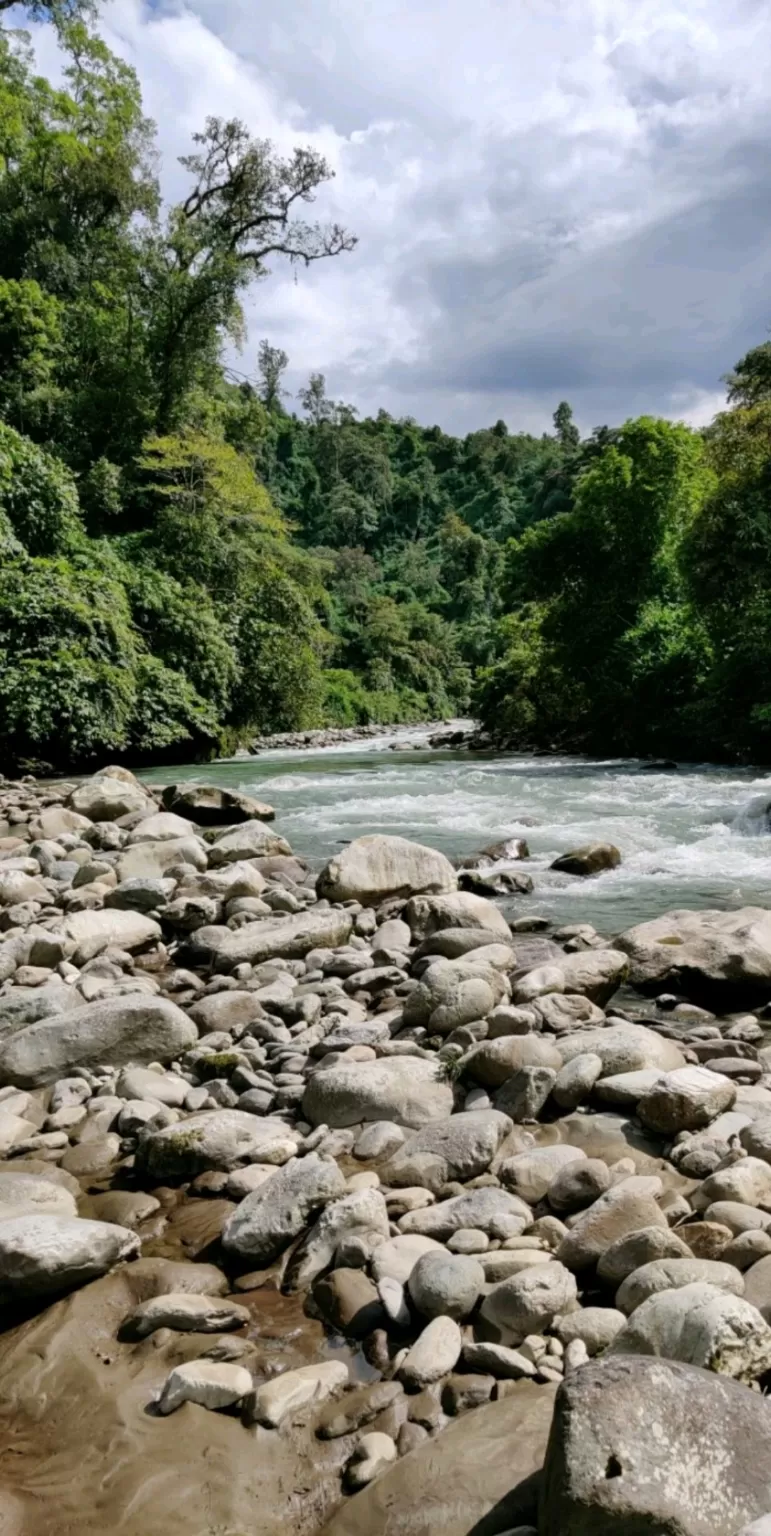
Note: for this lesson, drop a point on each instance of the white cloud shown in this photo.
(553, 197)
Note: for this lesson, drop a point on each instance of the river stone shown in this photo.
(372, 1454)
(451, 993)
(158, 828)
(276, 1213)
(477, 1475)
(361, 1212)
(435, 1352)
(105, 798)
(213, 1139)
(349, 1303)
(748, 1182)
(594, 973)
(578, 1184)
(529, 1302)
(23, 1007)
(757, 1287)
(293, 1390)
(117, 1030)
(625, 1208)
(576, 1079)
(622, 1048)
(34, 1191)
(158, 1087)
(460, 1147)
(213, 1384)
(492, 1211)
(633, 1448)
(674, 1274)
(686, 1100)
(531, 1173)
(427, 915)
(626, 1089)
(720, 959)
(524, 1094)
(596, 1327)
(91, 932)
(209, 806)
(372, 868)
(561, 1013)
(405, 1089)
(185, 1313)
(455, 943)
(446, 1285)
(756, 1138)
(17, 887)
(396, 1259)
(636, 1249)
(357, 1408)
(250, 840)
(382, 1138)
(150, 860)
(591, 859)
(123, 1207)
(46, 1255)
(493, 1061)
(271, 938)
(699, 1325)
(498, 1360)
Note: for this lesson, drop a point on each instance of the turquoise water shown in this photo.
(692, 838)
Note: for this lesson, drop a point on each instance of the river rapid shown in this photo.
(692, 837)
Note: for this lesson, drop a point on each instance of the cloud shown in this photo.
(554, 198)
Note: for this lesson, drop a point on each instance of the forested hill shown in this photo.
(189, 557)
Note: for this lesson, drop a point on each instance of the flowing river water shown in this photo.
(697, 836)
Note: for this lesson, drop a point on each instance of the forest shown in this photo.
(190, 558)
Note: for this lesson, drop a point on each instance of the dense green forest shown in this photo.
(189, 557)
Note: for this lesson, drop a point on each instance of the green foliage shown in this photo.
(37, 495)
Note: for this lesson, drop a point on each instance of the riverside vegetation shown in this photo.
(348, 1202)
(190, 559)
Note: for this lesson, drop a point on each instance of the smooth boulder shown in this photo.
(372, 868)
(408, 1090)
(47, 1255)
(460, 1147)
(714, 957)
(118, 1030)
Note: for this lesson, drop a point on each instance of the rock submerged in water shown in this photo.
(590, 860)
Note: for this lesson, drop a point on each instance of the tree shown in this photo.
(565, 427)
(315, 401)
(272, 364)
(750, 381)
(57, 11)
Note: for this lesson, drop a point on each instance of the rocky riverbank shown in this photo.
(343, 1204)
(436, 733)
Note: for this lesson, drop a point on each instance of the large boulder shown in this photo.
(251, 840)
(427, 915)
(719, 958)
(478, 1475)
(48, 1254)
(161, 827)
(214, 1139)
(90, 932)
(529, 1302)
(489, 1210)
(115, 1031)
(699, 1325)
(492, 1062)
(594, 973)
(408, 1090)
(622, 1048)
(458, 1148)
(273, 938)
(106, 798)
(674, 1274)
(276, 1213)
(655, 1448)
(209, 806)
(149, 860)
(685, 1100)
(374, 867)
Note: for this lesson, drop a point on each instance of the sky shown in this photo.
(554, 199)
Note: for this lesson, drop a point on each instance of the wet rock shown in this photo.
(699, 1325)
(591, 859)
(218, 1139)
(529, 1302)
(433, 1355)
(627, 1452)
(46, 1255)
(287, 1394)
(349, 1302)
(405, 1089)
(117, 1030)
(210, 1383)
(460, 1147)
(209, 806)
(673, 1274)
(270, 1218)
(184, 1313)
(372, 868)
(357, 1408)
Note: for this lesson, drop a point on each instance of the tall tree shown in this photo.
(272, 364)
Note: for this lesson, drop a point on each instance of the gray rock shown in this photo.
(362, 1212)
(686, 1100)
(699, 1325)
(493, 1061)
(137, 1028)
(747, 1183)
(185, 1313)
(446, 1285)
(141, 894)
(493, 1211)
(576, 1079)
(396, 1259)
(673, 1274)
(455, 992)
(591, 859)
(427, 915)
(150, 861)
(500, 1361)
(627, 1452)
(209, 806)
(292, 1391)
(213, 1384)
(250, 840)
(434, 1353)
(104, 798)
(159, 1087)
(530, 1174)
(276, 1213)
(47, 1255)
(625, 1208)
(91, 932)
(270, 938)
(525, 1093)
(635, 1249)
(405, 1089)
(622, 1048)
(380, 1139)
(35, 1191)
(596, 1327)
(717, 958)
(217, 1139)
(578, 1184)
(757, 1287)
(529, 1302)
(372, 868)
(460, 1147)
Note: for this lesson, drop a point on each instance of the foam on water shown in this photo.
(693, 838)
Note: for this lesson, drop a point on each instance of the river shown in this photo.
(695, 837)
